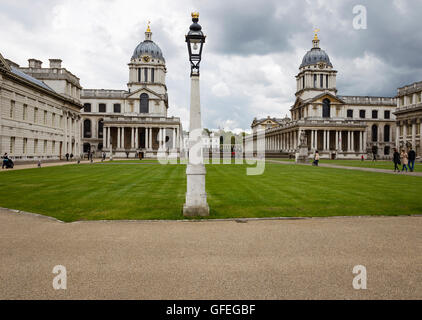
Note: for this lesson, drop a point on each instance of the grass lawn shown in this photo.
(151, 191)
(380, 164)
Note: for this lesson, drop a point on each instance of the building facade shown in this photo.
(342, 127)
(409, 118)
(39, 119)
(133, 122)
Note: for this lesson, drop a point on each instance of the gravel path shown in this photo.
(262, 259)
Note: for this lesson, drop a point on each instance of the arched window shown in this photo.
(144, 102)
(87, 128)
(374, 133)
(100, 128)
(326, 106)
(387, 133)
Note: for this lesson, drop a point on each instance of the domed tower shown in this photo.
(147, 72)
(316, 73)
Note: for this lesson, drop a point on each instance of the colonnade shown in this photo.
(147, 143)
(318, 140)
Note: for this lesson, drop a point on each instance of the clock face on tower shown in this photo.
(146, 58)
(321, 65)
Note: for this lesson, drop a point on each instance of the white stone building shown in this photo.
(409, 118)
(128, 123)
(39, 119)
(344, 127)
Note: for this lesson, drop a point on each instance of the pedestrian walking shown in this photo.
(396, 160)
(5, 161)
(411, 156)
(67, 156)
(404, 160)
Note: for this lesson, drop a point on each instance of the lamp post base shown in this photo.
(196, 197)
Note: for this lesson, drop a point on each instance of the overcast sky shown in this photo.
(252, 54)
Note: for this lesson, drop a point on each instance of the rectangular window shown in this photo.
(350, 113)
(12, 109)
(152, 75)
(35, 146)
(139, 74)
(45, 117)
(53, 119)
(362, 114)
(45, 146)
(321, 81)
(35, 115)
(374, 114)
(12, 145)
(25, 143)
(386, 114)
(401, 101)
(326, 81)
(303, 82)
(146, 75)
(116, 108)
(61, 121)
(315, 80)
(25, 112)
(102, 107)
(87, 107)
(53, 147)
(411, 99)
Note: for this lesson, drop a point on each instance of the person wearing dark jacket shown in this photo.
(396, 160)
(411, 156)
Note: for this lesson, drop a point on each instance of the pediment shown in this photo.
(149, 92)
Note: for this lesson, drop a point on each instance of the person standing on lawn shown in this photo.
(412, 157)
(316, 158)
(404, 160)
(396, 160)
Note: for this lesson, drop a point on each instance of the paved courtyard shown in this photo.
(263, 259)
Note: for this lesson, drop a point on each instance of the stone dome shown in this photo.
(148, 47)
(314, 56)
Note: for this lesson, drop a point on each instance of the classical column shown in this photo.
(324, 140)
(132, 138)
(340, 141)
(316, 139)
(123, 137)
(147, 138)
(312, 139)
(360, 141)
(404, 132)
(108, 137)
(348, 141)
(150, 137)
(104, 138)
(364, 141)
(398, 135)
(336, 142)
(414, 135)
(118, 137)
(352, 140)
(174, 138)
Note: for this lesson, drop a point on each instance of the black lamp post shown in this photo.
(195, 40)
(196, 197)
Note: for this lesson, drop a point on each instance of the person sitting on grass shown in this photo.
(396, 160)
(404, 160)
